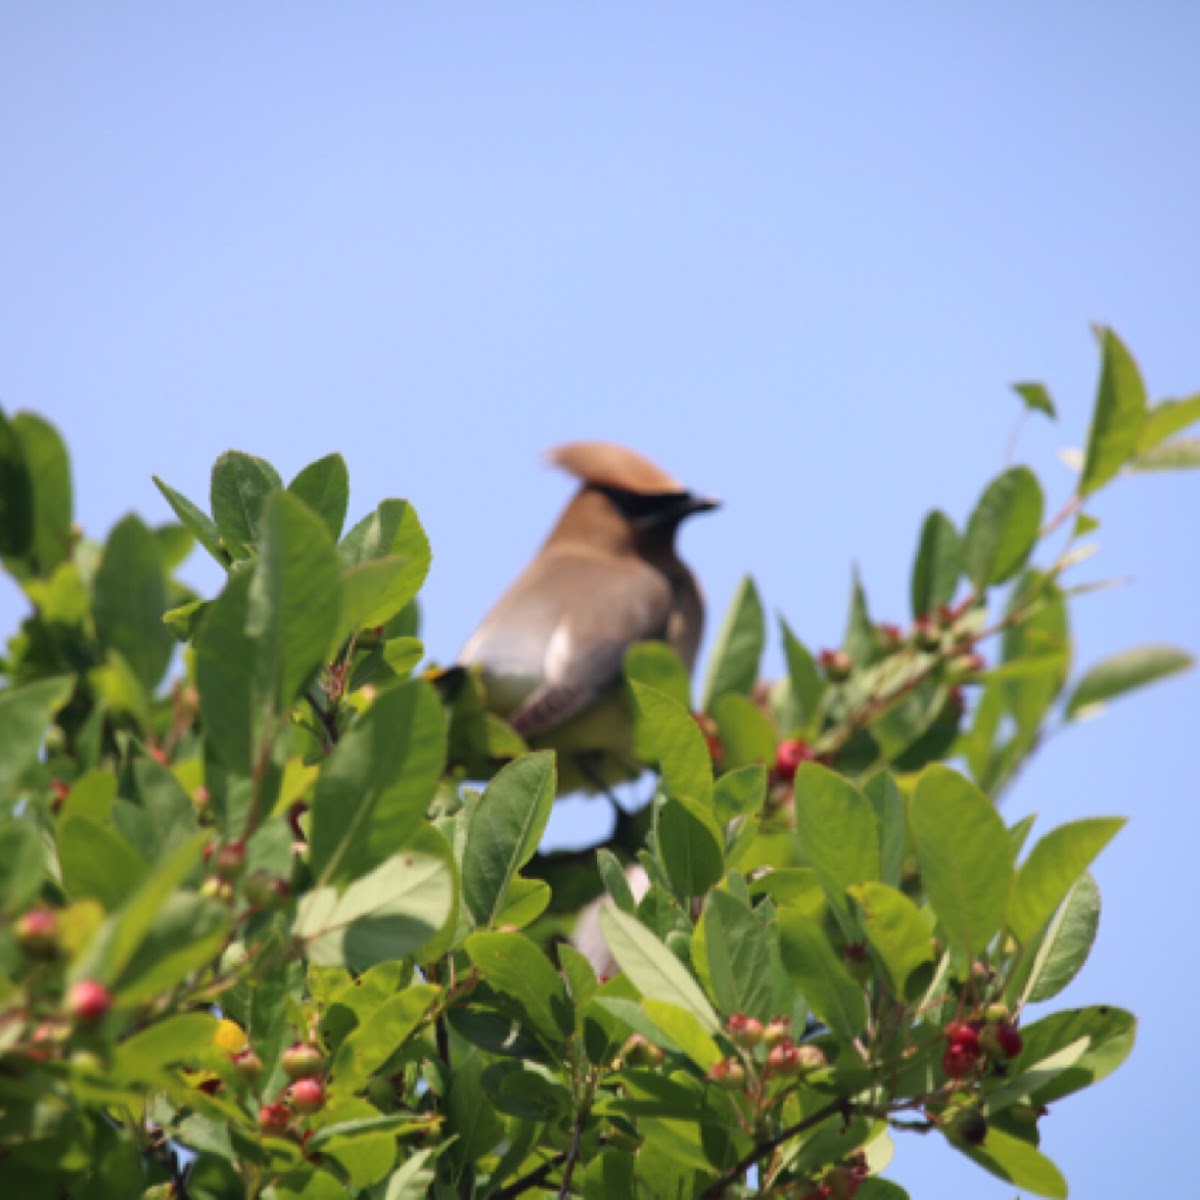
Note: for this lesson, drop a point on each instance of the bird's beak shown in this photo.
(701, 504)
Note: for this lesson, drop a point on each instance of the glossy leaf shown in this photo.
(685, 1030)
(129, 597)
(504, 832)
(97, 861)
(50, 475)
(517, 967)
(1118, 417)
(1110, 1032)
(1065, 944)
(372, 1042)
(295, 595)
(197, 522)
(806, 682)
(733, 661)
(837, 829)
(938, 565)
(324, 486)
(818, 972)
(1053, 867)
(1016, 1161)
(22, 864)
(1121, 673)
(374, 789)
(964, 855)
(895, 929)
(733, 954)
(1003, 528)
(689, 848)
(652, 968)
(239, 489)
(1166, 419)
(658, 666)
(391, 531)
(747, 735)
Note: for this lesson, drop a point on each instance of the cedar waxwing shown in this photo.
(552, 648)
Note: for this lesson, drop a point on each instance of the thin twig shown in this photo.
(717, 1189)
(573, 1153)
(535, 1178)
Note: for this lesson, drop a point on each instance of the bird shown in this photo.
(550, 652)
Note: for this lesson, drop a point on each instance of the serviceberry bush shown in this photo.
(262, 939)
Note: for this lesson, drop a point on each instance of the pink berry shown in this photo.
(784, 1059)
(744, 1031)
(306, 1095)
(88, 1001)
(728, 1074)
(837, 664)
(273, 1119)
(302, 1060)
(37, 931)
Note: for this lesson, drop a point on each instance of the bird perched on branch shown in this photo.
(552, 648)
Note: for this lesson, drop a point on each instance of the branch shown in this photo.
(573, 1153)
(534, 1179)
(715, 1190)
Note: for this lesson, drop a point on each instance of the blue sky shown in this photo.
(796, 254)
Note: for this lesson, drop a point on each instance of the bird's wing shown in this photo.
(586, 648)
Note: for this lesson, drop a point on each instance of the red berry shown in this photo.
(37, 931)
(158, 754)
(837, 664)
(890, 636)
(843, 1182)
(962, 1035)
(728, 1074)
(744, 1031)
(273, 1119)
(264, 890)
(959, 1060)
(59, 790)
(789, 754)
(784, 1059)
(88, 1001)
(306, 1095)
(302, 1060)
(1001, 1040)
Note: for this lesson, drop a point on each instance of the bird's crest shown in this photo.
(606, 464)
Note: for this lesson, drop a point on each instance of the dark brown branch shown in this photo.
(535, 1178)
(717, 1189)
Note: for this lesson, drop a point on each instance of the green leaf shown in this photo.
(241, 484)
(172, 819)
(16, 495)
(185, 1038)
(96, 861)
(838, 831)
(1065, 944)
(740, 792)
(1036, 651)
(733, 663)
(859, 640)
(195, 521)
(1118, 417)
(1112, 677)
(685, 1031)
(615, 882)
(733, 954)
(1037, 398)
(1017, 1162)
(517, 968)
(395, 911)
(888, 803)
(504, 832)
(373, 791)
(232, 694)
(1110, 1033)
(652, 968)
(295, 595)
(372, 593)
(129, 597)
(391, 531)
(22, 864)
(658, 666)
(807, 683)
(1052, 869)
(50, 474)
(938, 565)
(1003, 528)
(1166, 419)
(746, 732)
(818, 972)
(526, 901)
(188, 934)
(690, 851)
(378, 1036)
(896, 930)
(1180, 455)
(964, 855)
(25, 714)
(681, 751)
(325, 487)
